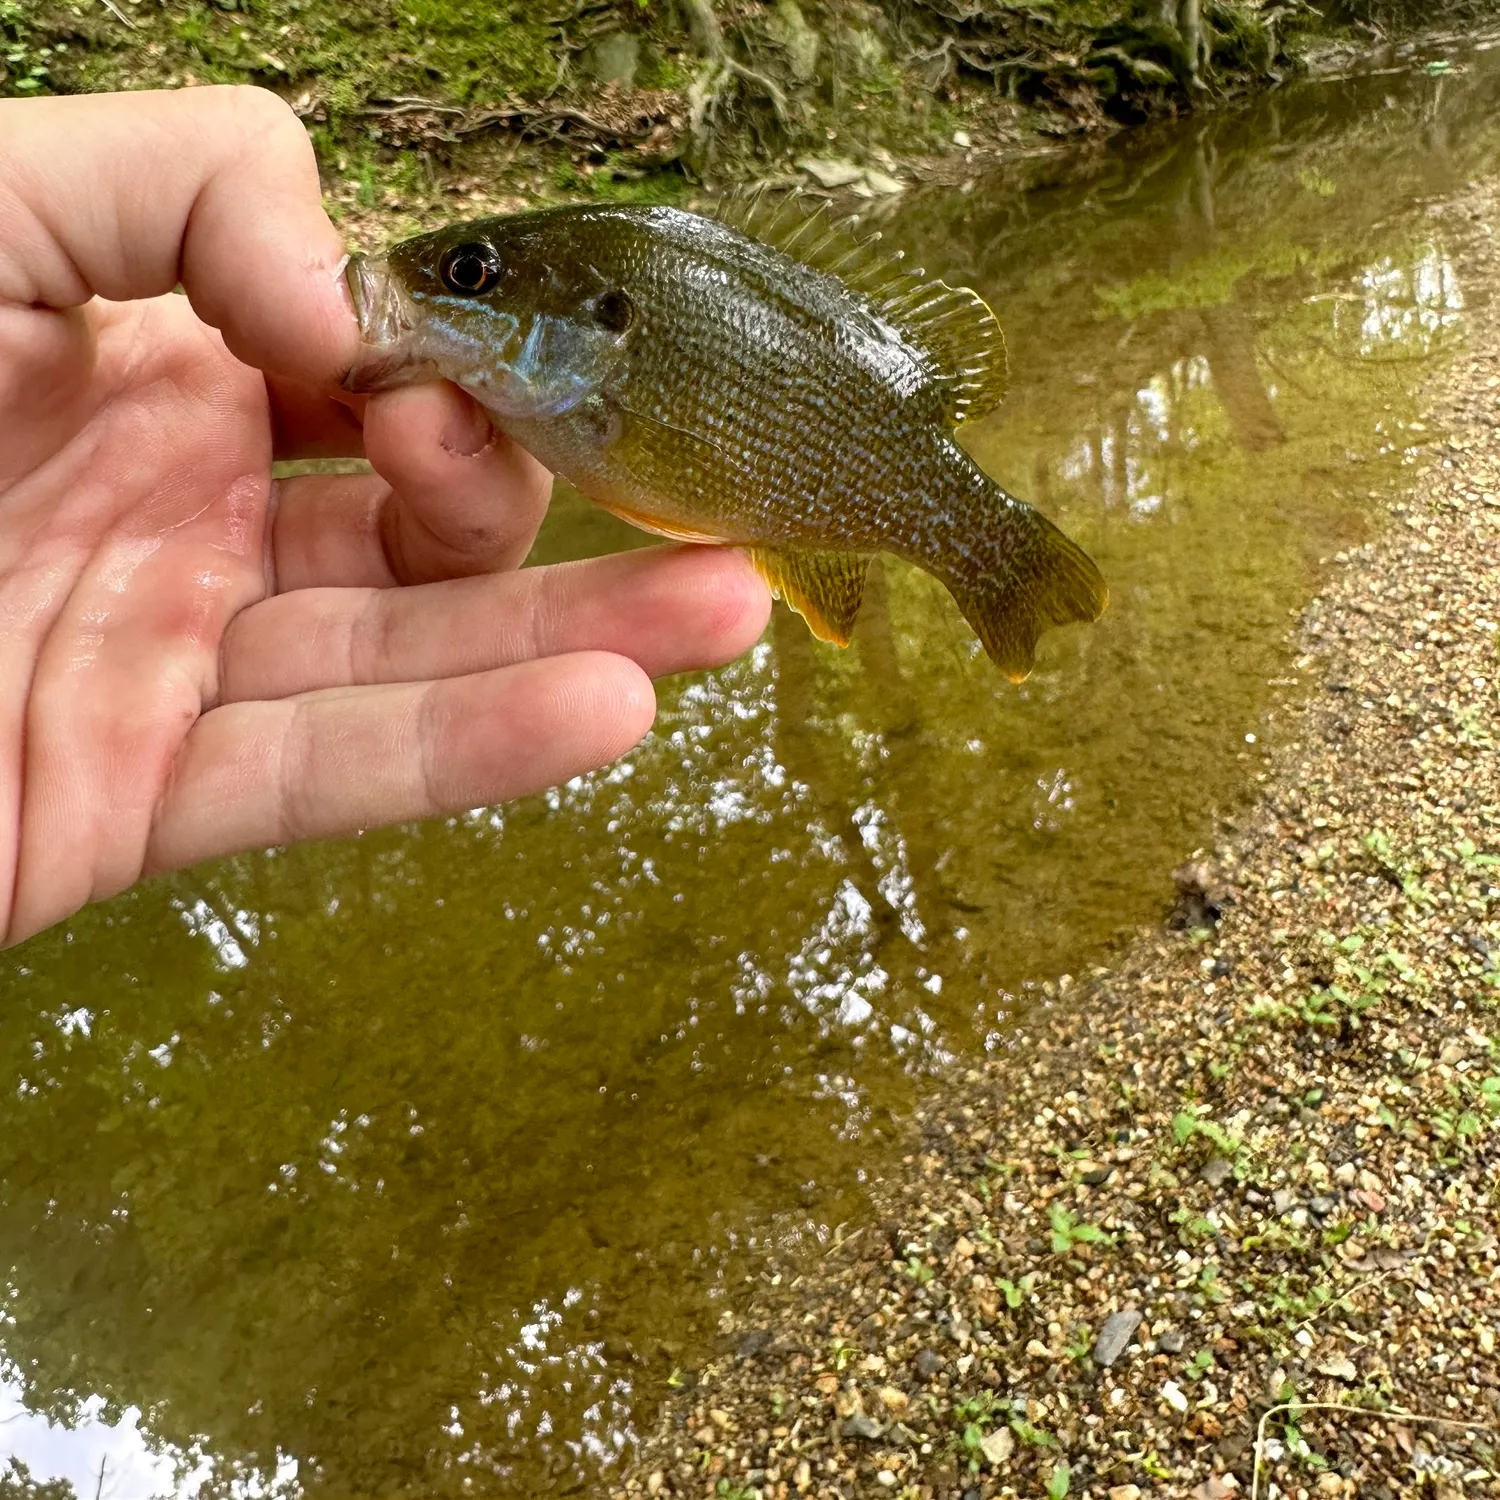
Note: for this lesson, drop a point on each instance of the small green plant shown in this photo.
(1209, 1288)
(1199, 1365)
(1456, 1129)
(1014, 1295)
(1302, 1307)
(976, 1416)
(1033, 1437)
(1402, 873)
(1472, 859)
(25, 61)
(1062, 1478)
(917, 1269)
(1192, 1227)
(1297, 1444)
(1191, 1123)
(1356, 987)
(1470, 721)
(1068, 1233)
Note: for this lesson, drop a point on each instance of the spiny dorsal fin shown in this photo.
(953, 326)
(806, 229)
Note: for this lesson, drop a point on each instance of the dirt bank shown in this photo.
(1222, 1220)
(419, 109)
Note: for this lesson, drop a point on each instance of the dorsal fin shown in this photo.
(953, 326)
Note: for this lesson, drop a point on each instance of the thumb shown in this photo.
(125, 196)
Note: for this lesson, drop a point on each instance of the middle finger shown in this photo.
(670, 609)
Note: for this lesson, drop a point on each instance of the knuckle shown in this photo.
(257, 117)
(379, 646)
(297, 798)
(256, 105)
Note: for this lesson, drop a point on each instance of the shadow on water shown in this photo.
(413, 1165)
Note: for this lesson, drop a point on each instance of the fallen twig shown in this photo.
(1392, 1413)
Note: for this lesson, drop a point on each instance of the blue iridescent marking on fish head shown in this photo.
(544, 366)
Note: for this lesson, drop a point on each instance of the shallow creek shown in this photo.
(420, 1164)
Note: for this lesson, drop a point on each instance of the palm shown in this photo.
(199, 660)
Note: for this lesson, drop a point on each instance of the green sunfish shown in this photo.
(763, 380)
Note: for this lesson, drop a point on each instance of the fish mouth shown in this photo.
(384, 315)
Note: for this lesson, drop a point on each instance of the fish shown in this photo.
(762, 377)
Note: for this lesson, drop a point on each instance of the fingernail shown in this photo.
(469, 432)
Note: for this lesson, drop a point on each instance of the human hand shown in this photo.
(197, 660)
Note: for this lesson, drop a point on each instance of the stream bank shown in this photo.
(1222, 1219)
(421, 112)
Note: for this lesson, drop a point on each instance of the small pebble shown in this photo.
(1115, 1336)
(1215, 1170)
(997, 1446)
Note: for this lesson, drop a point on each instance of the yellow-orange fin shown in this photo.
(823, 587)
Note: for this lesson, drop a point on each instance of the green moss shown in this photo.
(343, 53)
(1083, 14)
(27, 60)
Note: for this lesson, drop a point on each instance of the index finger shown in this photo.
(123, 196)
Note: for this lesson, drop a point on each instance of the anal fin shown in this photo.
(823, 587)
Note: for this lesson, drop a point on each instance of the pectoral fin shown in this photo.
(644, 520)
(823, 587)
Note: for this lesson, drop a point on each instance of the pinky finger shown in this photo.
(326, 763)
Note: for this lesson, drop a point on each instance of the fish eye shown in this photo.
(469, 269)
(615, 312)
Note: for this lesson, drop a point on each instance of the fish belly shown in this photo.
(754, 482)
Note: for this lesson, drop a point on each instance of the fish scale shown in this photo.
(702, 382)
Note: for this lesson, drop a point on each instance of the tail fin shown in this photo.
(1044, 579)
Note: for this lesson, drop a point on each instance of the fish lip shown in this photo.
(383, 314)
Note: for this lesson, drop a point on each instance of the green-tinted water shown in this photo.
(413, 1165)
